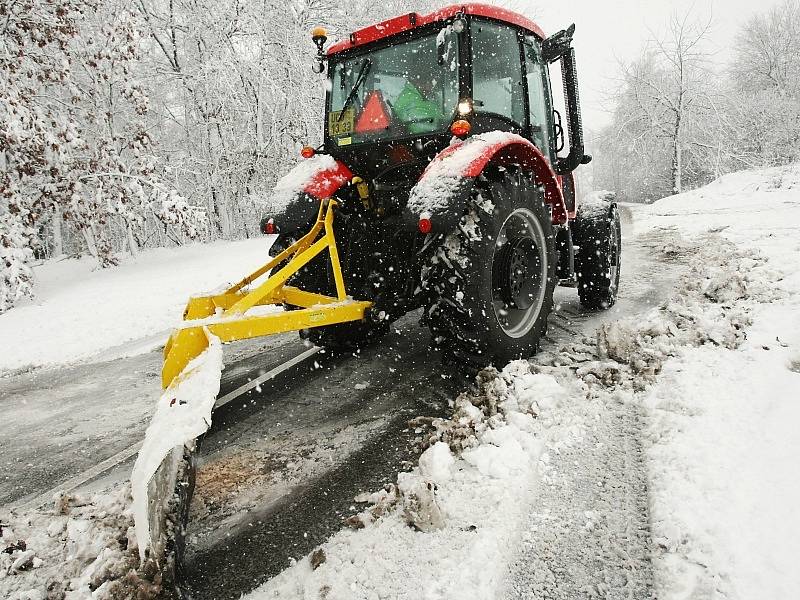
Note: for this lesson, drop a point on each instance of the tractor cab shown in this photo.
(400, 90)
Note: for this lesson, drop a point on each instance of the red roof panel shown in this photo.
(412, 20)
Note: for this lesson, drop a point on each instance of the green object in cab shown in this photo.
(420, 115)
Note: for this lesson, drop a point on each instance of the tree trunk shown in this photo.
(133, 246)
(58, 236)
(677, 159)
(88, 237)
(676, 167)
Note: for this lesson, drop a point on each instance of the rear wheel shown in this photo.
(598, 238)
(492, 279)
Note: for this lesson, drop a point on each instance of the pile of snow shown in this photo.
(84, 547)
(447, 528)
(712, 308)
(80, 311)
(95, 547)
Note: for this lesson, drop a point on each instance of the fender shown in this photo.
(295, 200)
(445, 187)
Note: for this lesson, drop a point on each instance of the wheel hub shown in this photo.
(517, 273)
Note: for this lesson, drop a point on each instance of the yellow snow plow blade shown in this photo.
(224, 314)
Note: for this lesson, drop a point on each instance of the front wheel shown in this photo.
(492, 279)
(598, 237)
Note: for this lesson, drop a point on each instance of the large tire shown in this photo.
(492, 279)
(598, 237)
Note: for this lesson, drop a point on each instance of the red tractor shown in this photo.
(443, 151)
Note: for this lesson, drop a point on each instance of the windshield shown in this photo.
(410, 88)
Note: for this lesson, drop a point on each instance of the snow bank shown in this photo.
(93, 547)
(447, 529)
(723, 455)
(81, 311)
(182, 414)
(83, 547)
(722, 433)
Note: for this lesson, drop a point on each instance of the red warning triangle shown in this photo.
(374, 116)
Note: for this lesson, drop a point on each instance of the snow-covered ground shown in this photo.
(722, 431)
(81, 311)
(712, 375)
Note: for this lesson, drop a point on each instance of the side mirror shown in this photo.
(558, 44)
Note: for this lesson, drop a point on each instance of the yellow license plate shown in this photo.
(341, 124)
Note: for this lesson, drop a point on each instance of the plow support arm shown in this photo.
(224, 315)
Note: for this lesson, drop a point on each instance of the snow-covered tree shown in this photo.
(669, 122)
(37, 135)
(765, 82)
(75, 149)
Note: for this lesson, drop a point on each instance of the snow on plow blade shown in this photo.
(163, 477)
(160, 484)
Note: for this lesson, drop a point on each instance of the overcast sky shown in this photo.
(608, 30)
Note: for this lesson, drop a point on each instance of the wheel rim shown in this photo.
(519, 273)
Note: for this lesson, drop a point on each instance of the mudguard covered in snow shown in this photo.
(295, 200)
(446, 185)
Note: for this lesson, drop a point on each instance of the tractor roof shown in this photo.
(410, 21)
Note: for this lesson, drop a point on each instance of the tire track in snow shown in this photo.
(587, 535)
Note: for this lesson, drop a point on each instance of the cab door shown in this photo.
(539, 101)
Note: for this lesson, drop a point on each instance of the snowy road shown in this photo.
(282, 463)
(61, 422)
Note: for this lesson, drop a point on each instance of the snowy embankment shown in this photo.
(81, 310)
(723, 441)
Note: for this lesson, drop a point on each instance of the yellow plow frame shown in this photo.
(224, 315)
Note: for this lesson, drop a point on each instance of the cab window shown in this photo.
(408, 88)
(497, 72)
(537, 96)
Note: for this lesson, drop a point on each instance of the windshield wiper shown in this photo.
(362, 75)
